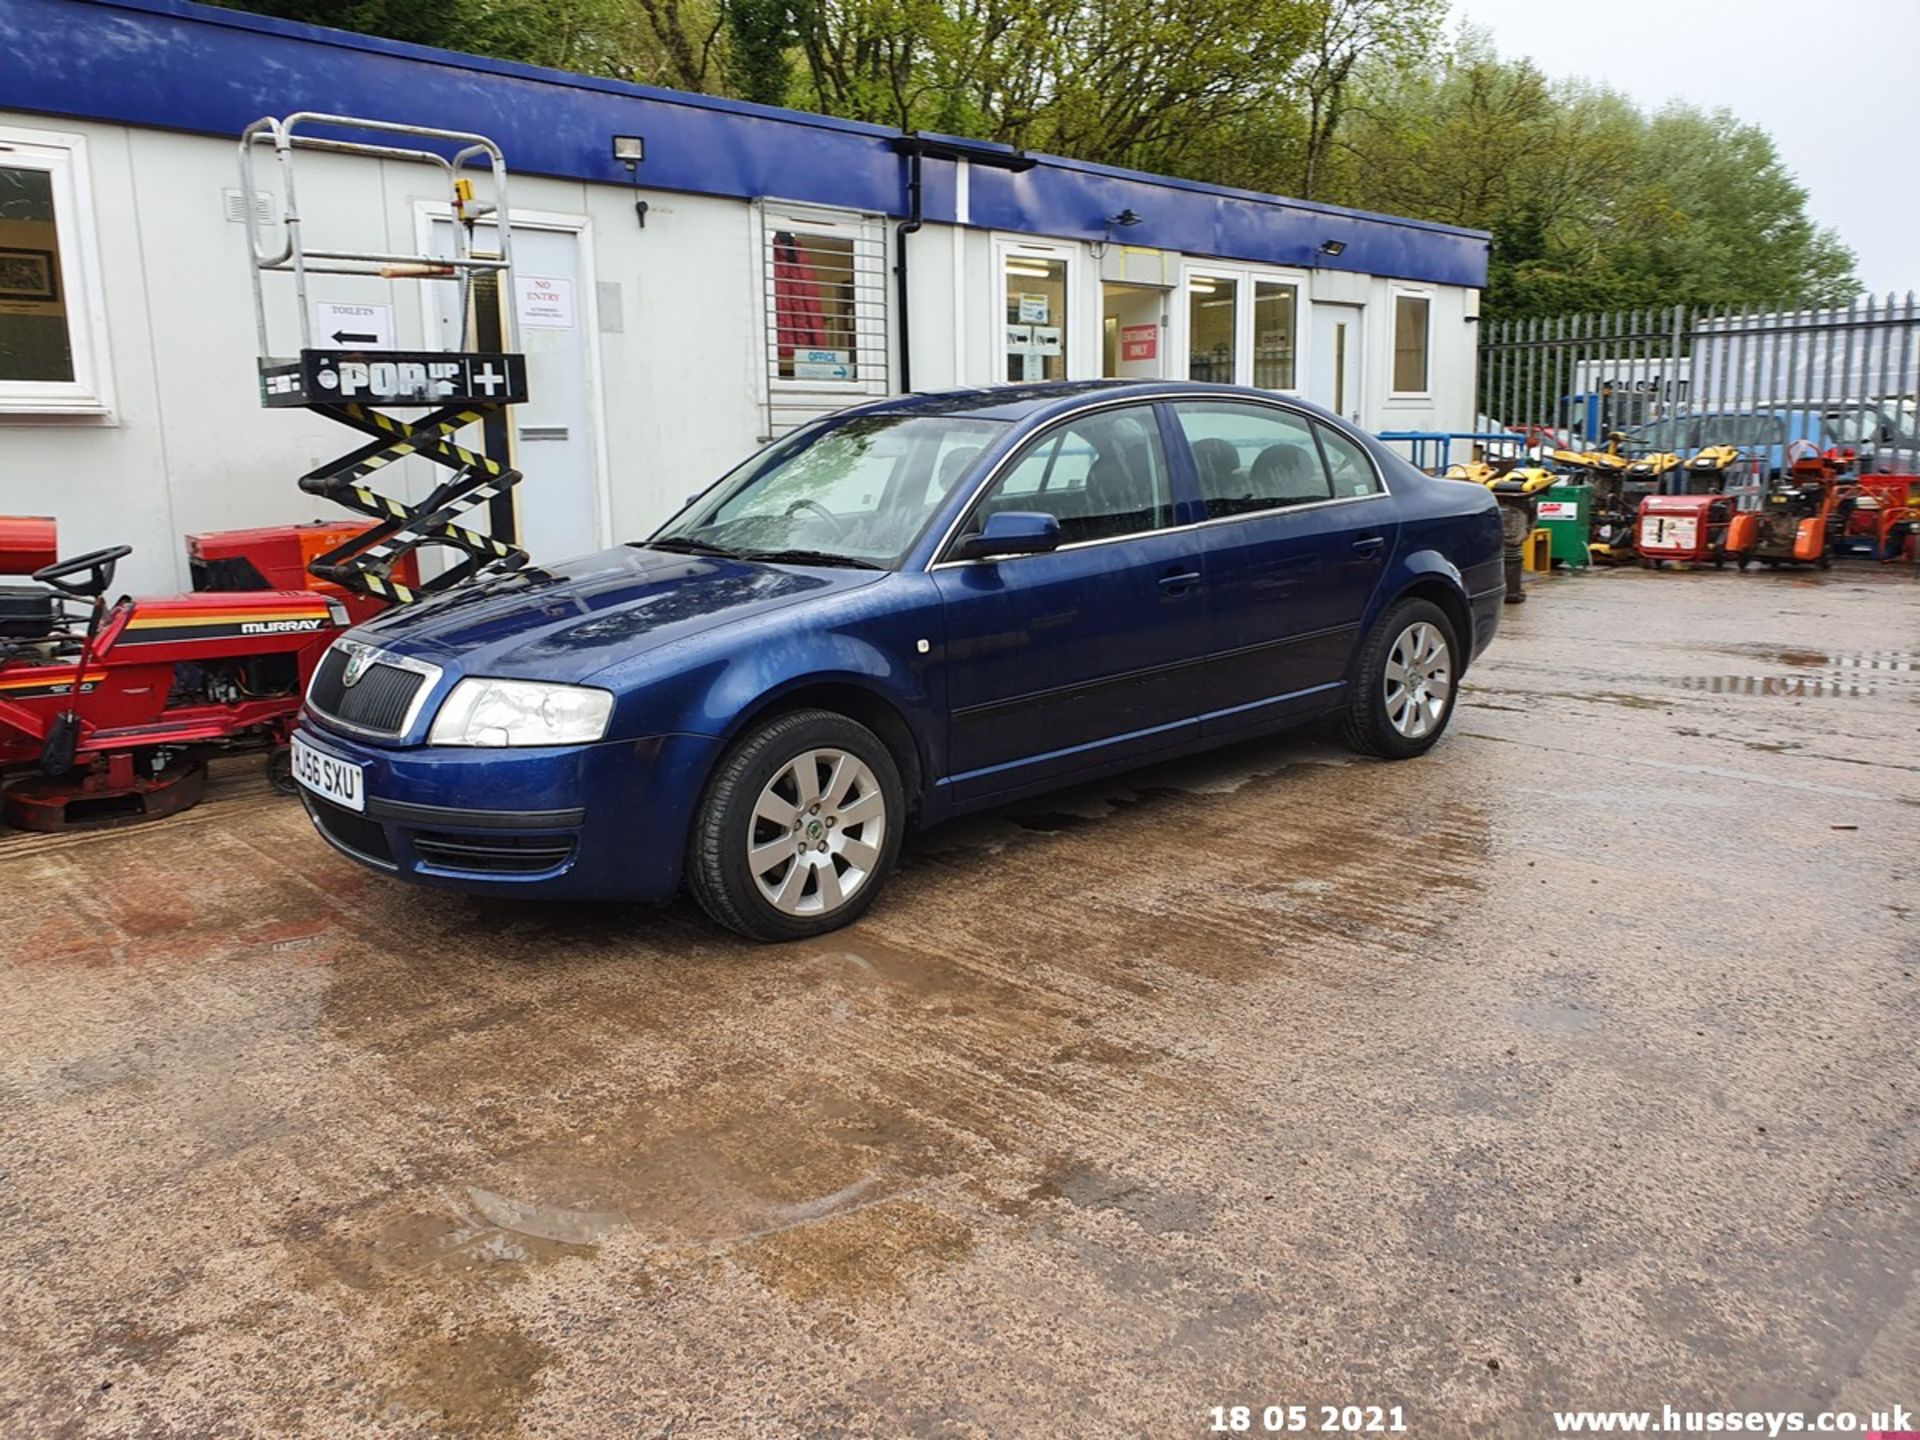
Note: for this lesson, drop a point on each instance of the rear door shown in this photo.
(1061, 663)
(1301, 530)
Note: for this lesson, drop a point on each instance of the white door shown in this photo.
(557, 500)
(1336, 359)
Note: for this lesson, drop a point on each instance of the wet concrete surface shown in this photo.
(1574, 1064)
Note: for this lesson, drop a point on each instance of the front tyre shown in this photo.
(1404, 683)
(797, 829)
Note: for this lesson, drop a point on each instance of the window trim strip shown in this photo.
(1156, 397)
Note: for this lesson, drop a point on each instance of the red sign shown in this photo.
(1139, 342)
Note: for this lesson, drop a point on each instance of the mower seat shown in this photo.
(27, 612)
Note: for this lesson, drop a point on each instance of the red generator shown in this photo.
(109, 711)
(1684, 529)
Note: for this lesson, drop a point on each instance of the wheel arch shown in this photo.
(1430, 576)
(859, 702)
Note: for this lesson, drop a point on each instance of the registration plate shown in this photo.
(340, 781)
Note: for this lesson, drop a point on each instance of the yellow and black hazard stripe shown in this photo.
(366, 562)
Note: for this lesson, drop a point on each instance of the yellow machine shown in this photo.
(1709, 468)
(1531, 479)
(1517, 488)
(1653, 469)
(1608, 461)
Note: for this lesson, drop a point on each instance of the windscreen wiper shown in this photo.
(685, 545)
(809, 557)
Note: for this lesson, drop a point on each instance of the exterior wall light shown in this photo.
(630, 150)
(1332, 247)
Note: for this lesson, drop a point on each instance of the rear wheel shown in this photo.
(1404, 683)
(798, 828)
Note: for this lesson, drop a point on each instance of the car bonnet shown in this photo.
(567, 621)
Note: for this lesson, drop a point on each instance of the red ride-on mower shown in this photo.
(110, 711)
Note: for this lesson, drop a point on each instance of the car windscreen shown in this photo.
(860, 488)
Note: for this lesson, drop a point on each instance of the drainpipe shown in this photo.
(916, 146)
(907, 227)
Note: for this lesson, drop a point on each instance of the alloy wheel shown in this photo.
(817, 833)
(1419, 680)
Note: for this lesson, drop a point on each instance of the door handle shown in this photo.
(1370, 544)
(1177, 582)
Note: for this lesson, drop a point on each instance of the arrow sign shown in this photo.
(338, 325)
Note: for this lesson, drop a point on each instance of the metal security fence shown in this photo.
(1770, 381)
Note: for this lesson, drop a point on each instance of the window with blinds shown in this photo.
(824, 296)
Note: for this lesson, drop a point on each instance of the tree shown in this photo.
(759, 32)
(1393, 32)
(1591, 203)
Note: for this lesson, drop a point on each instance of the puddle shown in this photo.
(1793, 687)
(546, 1222)
(1088, 1187)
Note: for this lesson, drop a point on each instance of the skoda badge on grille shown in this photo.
(357, 663)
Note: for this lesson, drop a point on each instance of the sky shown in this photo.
(1832, 82)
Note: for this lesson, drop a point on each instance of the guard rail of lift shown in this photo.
(472, 385)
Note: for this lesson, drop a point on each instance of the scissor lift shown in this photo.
(472, 385)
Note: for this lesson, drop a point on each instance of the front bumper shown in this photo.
(589, 822)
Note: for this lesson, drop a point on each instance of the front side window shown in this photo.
(1036, 317)
(50, 361)
(1101, 477)
(1250, 458)
(1412, 315)
(859, 489)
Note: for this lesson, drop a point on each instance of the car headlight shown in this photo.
(521, 712)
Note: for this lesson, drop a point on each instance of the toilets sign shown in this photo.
(338, 326)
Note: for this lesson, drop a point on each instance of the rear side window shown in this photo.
(1251, 458)
(1100, 476)
(1349, 468)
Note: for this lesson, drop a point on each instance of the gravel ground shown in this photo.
(1572, 1065)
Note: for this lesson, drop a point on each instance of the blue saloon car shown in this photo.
(900, 613)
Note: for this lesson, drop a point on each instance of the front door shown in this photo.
(1064, 662)
(1336, 359)
(557, 503)
(1133, 341)
(1301, 535)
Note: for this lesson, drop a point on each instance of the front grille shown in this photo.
(493, 854)
(349, 831)
(377, 701)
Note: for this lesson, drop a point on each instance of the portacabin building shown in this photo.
(755, 268)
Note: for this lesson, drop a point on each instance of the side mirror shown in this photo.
(1015, 532)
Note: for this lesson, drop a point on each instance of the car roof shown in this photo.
(1021, 401)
